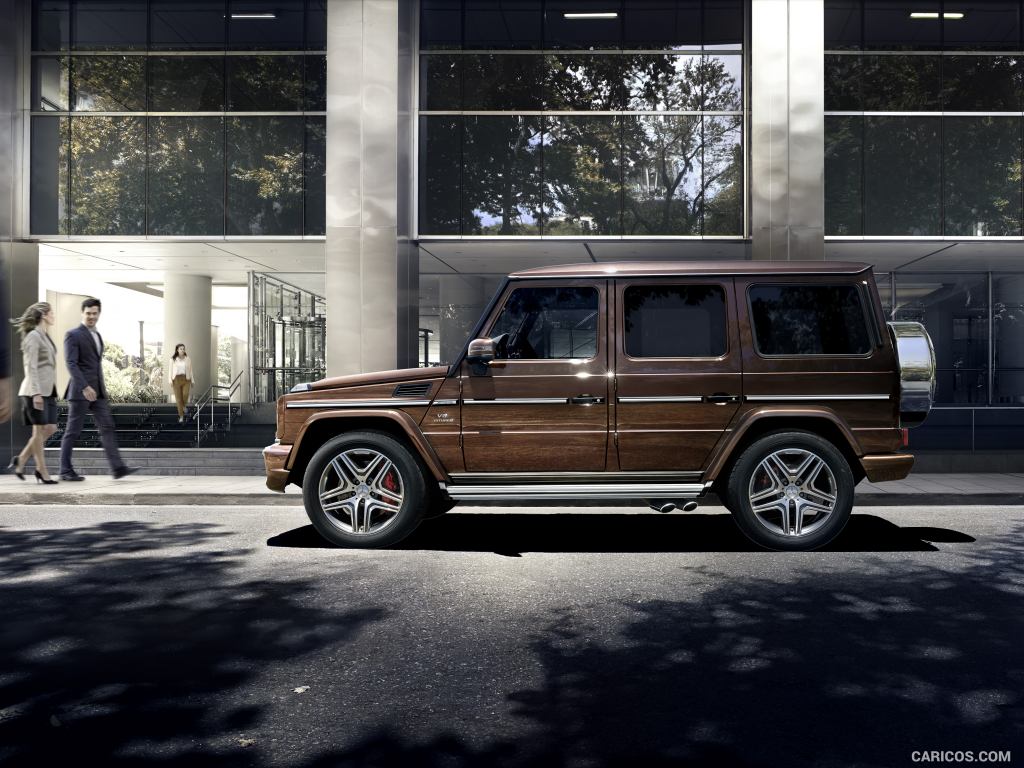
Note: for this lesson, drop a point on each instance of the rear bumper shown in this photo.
(275, 457)
(889, 466)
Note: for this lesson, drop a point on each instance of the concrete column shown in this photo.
(240, 364)
(1008, 294)
(362, 262)
(461, 302)
(187, 304)
(787, 129)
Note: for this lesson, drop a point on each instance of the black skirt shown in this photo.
(33, 416)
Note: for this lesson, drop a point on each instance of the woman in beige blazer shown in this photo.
(38, 391)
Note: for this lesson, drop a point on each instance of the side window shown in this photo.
(674, 320)
(549, 323)
(809, 320)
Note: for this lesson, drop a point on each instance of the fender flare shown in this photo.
(401, 418)
(726, 450)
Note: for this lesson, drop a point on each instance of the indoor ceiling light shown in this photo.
(594, 15)
(936, 14)
(253, 15)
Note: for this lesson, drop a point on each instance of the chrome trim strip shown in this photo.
(671, 399)
(445, 402)
(782, 398)
(554, 492)
(520, 401)
(357, 403)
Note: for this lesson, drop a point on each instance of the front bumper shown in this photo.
(887, 466)
(275, 457)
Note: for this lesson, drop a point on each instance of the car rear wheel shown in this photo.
(364, 489)
(791, 491)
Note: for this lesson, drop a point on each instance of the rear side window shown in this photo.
(674, 320)
(549, 323)
(809, 320)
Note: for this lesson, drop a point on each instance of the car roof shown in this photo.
(691, 268)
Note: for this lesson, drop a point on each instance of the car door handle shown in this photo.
(720, 398)
(586, 400)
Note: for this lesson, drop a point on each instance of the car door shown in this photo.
(678, 371)
(542, 404)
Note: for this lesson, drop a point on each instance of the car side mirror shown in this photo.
(480, 355)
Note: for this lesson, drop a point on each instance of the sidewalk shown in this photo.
(153, 490)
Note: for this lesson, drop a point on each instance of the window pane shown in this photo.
(900, 83)
(562, 32)
(723, 176)
(266, 24)
(440, 24)
(664, 81)
(722, 78)
(842, 83)
(109, 24)
(549, 323)
(843, 180)
(662, 158)
(509, 24)
(316, 83)
(991, 24)
(582, 178)
(661, 23)
(316, 25)
(186, 176)
(49, 175)
(723, 24)
(982, 175)
(108, 176)
(502, 175)
(441, 81)
(108, 83)
(186, 25)
(889, 26)
(982, 83)
(51, 23)
(494, 81)
(585, 82)
(902, 190)
(186, 83)
(842, 25)
(50, 83)
(675, 321)
(264, 83)
(954, 309)
(809, 320)
(1008, 325)
(440, 176)
(315, 181)
(265, 169)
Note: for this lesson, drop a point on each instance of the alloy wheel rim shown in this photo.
(793, 492)
(361, 491)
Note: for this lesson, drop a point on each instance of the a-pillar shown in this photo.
(187, 305)
(461, 302)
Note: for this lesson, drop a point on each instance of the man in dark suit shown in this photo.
(83, 354)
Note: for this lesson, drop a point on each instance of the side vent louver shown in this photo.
(412, 390)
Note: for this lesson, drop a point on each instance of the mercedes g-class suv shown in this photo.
(778, 386)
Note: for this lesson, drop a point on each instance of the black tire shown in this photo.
(384, 527)
(750, 478)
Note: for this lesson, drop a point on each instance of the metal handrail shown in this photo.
(208, 397)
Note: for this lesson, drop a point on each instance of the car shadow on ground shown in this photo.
(513, 533)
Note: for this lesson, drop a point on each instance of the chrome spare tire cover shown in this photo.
(915, 356)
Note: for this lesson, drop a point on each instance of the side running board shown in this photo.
(556, 492)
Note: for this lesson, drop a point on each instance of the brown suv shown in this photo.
(778, 386)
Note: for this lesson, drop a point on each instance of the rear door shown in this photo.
(678, 371)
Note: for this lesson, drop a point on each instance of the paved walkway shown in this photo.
(209, 490)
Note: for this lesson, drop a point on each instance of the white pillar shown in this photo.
(187, 304)
(240, 364)
(362, 185)
(461, 302)
(787, 129)
(214, 349)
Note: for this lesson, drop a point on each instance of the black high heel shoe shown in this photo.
(14, 465)
(40, 479)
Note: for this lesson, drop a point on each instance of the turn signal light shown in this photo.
(904, 438)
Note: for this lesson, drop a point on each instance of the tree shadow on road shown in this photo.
(116, 636)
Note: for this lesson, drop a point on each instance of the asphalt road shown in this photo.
(194, 636)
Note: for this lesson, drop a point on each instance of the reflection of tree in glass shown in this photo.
(265, 180)
(109, 83)
(108, 175)
(265, 82)
(186, 191)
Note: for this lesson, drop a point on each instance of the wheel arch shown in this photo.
(321, 427)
